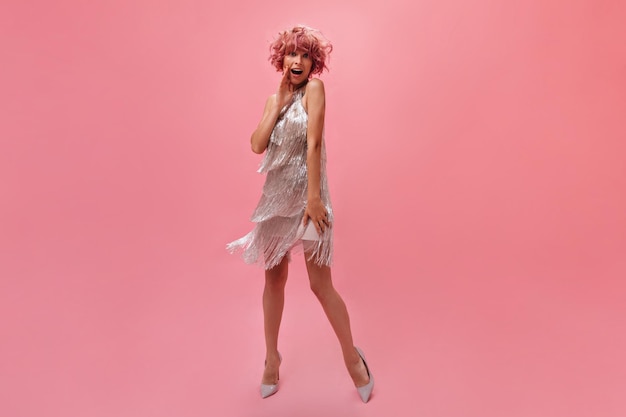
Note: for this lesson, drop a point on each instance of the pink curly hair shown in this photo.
(301, 38)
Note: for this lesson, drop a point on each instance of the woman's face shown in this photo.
(299, 64)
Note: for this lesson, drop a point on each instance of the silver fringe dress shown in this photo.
(278, 215)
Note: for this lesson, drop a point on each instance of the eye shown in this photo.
(306, 55)
(293, 53)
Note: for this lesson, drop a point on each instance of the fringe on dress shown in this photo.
(278, 216)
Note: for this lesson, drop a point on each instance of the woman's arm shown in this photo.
(261, 135)
(316, 107)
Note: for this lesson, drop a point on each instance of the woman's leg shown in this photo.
(337, 313)
(273, 303)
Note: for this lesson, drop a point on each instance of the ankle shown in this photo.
(351, 357)
(272, 358)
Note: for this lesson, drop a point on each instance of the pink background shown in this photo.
(476, 162)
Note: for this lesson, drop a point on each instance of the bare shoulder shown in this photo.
(314, 95)
(315, 86)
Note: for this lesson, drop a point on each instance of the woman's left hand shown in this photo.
(317, 213)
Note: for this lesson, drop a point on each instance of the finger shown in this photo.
(323, 223)
(305, 218)
(286, 70)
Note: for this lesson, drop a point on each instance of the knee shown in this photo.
(321, 289)
(276, 281)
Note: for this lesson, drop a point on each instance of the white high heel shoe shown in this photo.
(366, 390)
(270, 389)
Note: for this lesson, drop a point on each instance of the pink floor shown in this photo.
(476, 166)
(181, 336)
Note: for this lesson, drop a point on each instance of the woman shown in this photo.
(295, 209)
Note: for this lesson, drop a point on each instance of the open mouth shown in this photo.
(296, 71)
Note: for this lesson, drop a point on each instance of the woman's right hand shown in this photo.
(285, 89)
(274, 104)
